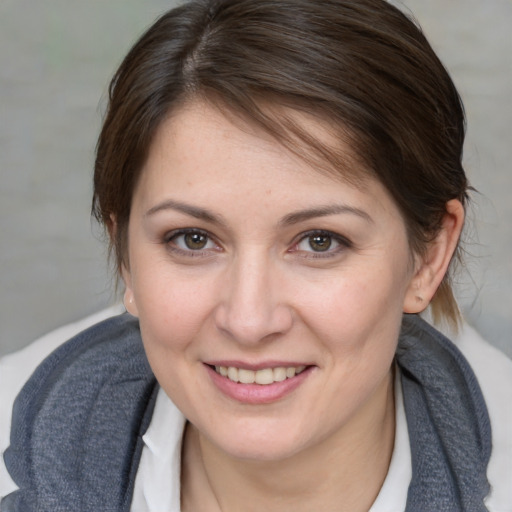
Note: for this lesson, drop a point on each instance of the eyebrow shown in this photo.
(323, 211)
(287, 220)
(193, 211)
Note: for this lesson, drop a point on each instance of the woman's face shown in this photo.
(244, 260)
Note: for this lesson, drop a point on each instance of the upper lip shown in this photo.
(255, 366)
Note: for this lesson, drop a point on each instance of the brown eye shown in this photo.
(320, 243)
(191, 241)
(195, 241)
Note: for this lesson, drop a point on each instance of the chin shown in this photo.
(257, 444)
(261, 452)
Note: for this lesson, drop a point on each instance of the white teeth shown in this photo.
(290, 372)
(246, 376)
(265, 376)
(262, 377)
(280, 374)
(233, 373)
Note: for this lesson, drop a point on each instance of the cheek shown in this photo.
(173, 314)
(358, 312)
(173, 306)
(349, 299)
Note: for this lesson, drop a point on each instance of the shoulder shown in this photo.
(106, 352)
(493, 370)
(16, 368)
(94, 391)
(87, 347)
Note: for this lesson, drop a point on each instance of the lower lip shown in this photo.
(255, 394)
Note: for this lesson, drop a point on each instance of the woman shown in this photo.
(281, 181)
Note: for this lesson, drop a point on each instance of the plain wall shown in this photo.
(56, 59)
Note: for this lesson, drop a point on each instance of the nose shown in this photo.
(253, 306)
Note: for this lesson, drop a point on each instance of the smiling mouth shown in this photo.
(264, 377)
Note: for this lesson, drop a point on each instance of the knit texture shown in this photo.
(78, 422)
(448, 423)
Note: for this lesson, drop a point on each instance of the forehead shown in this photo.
(315, 138)
(208, 153)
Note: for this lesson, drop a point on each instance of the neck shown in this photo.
(344, 472)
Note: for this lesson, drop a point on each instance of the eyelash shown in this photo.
(170, 242)
(343, 243)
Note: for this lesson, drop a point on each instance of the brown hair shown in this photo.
(360, 64)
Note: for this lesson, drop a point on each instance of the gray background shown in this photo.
(56, 58)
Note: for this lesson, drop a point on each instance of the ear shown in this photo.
(129, 298)
(431, 267)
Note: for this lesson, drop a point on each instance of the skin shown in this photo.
(260, 291)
